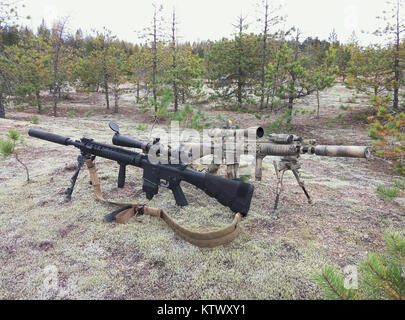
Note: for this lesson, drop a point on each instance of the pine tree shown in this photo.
(138, 68)
(8, 17)
(102, 54)
(32, 61)
(381, 276)
(8, 147)
(154, 35)
(387, 131)
(393, 32)
(368, 70)
(59, 57)
(294, 75)
(116, 64)
(174, 64)
(233, 65)
(268, 20)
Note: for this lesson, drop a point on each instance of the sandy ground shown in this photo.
(51, 249)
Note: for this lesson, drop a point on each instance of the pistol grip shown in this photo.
(121, 176)
(179, 195)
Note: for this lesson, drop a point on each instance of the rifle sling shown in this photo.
(199, 239)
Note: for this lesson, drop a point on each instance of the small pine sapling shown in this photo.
(8, 147)
(380, 277)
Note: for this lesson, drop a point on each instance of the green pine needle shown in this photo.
(6, 148)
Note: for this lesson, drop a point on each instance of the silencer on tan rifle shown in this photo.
(271, 149)
(258, 132)
(343, 151)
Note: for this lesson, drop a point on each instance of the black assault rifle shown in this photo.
(236, 195)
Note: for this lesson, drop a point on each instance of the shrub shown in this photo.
(8, 147)
(281, 123)
(245, 178)
(142, 127)
(387, 130)
(89, 113)
(71, 114)
(380, 276)
(45, 109)
(387, 193)
(35, 119)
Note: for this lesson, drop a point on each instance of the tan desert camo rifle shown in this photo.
(286, 146)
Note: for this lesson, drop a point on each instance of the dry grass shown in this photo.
(50, 249)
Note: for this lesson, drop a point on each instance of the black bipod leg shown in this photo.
(302, 185)
(80, 162)
(280, 177)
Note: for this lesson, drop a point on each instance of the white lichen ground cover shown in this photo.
(50, 249)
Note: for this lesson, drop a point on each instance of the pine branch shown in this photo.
(331, 287)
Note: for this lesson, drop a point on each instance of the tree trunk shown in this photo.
(264, 56)
(25, 167)
(319, 105)
(39, 103)
(240, 70)
(106, 92)
(137, 92)
(396, 59)
(2, 109)
(55, 79)
(174, 64)
(293, 79)
(55, 102)
(240, 94)
(116, 99)
(154, 47)
(58, 42)
(267, 101)
(396, 66)
(290, 109)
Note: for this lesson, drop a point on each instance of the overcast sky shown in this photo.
(210, 19)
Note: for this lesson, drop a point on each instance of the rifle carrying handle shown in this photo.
(121, 176)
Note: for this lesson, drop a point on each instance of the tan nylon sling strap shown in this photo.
(200, 239)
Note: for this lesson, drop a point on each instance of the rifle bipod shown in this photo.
(80, 162)
(281, 167)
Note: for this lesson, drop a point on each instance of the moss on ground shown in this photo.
(55, 250)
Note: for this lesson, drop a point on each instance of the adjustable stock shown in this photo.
(234, 194)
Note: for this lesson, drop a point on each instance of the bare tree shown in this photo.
(174, 64)
(240, 53)
(393, 30)
(154, 33)
(58, 34)
(104, 41)
(267, 21)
